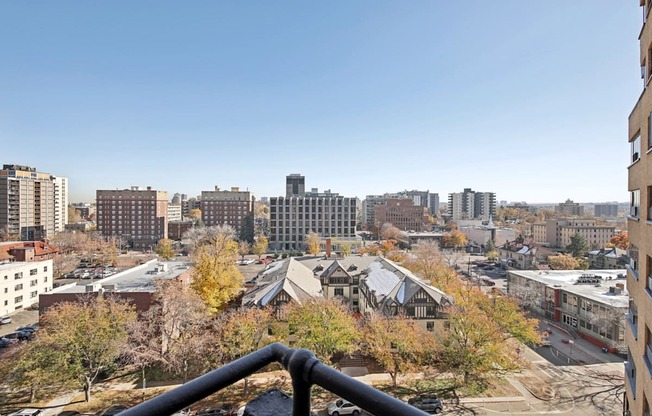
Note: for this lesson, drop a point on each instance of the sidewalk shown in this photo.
(579, 350)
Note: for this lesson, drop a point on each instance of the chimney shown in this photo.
(217, 188)
(620, 286)
(328, 248)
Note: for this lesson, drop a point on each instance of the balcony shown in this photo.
(305, 370)
(648, 358)
(630, 372)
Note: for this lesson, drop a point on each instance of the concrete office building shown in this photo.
(28, 205)
(222, 207)
(292, 218)
(139, 216)
(606, 210)
(571, 208)
(558, 232)
(638, 333)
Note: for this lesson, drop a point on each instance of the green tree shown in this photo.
(455, 240)
(578, 246)
(84, 339)
(164, 249)
(397, 343)
(260, 246)
(324, 326)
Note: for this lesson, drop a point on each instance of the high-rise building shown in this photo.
(139, 216)
(571, 208)
(471, 205)
(29, 201)
(433, 204)
(606, 210)
(638, 331)
(295, 185)
(293, 217)
(60, 203)
(222, 207)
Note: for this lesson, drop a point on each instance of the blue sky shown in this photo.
(526, 99)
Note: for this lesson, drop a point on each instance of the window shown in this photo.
(18, 299)
(339, 292)
(633, 260)
(635, 145)
(633, 317)
(33, 294)
(355, 290)
(33, 272)
(430, 326)
(18, 275)
(18, 287)
(33, 283)
(648, 349)
(634, 203)
(630, 371)
(45, 268)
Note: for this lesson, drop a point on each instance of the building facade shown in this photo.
(606, 210)
(139, 216)
(28, 205)
(570, 208)
(21, 283)
(403, 214)
(469, 204)
(557, 232)
(638, 368)
(60, 203)
(222, 207)
(174, 212)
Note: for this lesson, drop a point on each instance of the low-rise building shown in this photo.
(608, 258)
(21, 284)
(558, 232)
(519, 254)
(591, 303)
(28, 251)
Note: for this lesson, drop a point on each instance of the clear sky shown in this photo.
(526, 99)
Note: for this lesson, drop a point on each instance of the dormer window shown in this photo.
(352, 267)
(318, 268)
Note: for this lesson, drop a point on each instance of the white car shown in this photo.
(27, 412)
(342, 407)
(5, 320)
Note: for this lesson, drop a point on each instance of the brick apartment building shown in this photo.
(403, 214)
(222, 207)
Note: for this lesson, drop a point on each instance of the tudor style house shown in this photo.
(368, 284)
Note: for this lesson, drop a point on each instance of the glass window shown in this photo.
(634, 203)
(635, 144)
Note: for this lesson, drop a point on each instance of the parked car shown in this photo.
(69, 413)
(429, 404)
(111, 411)
(27, 412)
(4, 342)
(30, 328)
(20, 335)
(488, 267)
(488, 282)
(5, 320)
(343, 407)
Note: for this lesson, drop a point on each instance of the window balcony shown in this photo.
(648, 358)
(305, 371)
(631, 377)
(632, 324)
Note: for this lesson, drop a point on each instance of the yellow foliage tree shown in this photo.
(215, 276)
(260, 246)
(429, 263)
(164, 249)
(563, 262)
(313, 241)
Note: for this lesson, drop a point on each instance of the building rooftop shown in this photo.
(567, 280)
(137, 279)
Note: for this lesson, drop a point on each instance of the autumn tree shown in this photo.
(387, 245)
(86, 338)
(621, 240)
(260, 246)
(390, 232)
(428, 262)
(164, 249)
(563, 262)
(396, 343)
(578, 246)
(324, 326)
(217, 235)
(346, 249)
(73, 215)
(313, 243)
(455, 240)
(173, 332)
(396, 256)
(243, 249)
(6, 235)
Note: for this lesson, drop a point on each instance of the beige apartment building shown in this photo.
(638, 368)
(557, 232)
(222, 207)
(403, 214)
(138, 216)
(31, 202)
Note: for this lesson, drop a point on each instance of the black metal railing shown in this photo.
(305, 371)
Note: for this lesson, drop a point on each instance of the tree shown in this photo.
(260, 246)
(243, 249)
(621, 240)
(173, 332)
(247, 229)
(578, 246)
(428, 262)
(396, 256)
(73, 215)
(215, 276)
(397, 343)
(164, 249)
(313, 243)
(324, 326)
(195, 214)
(563, 262)
(220, 235)
(346, 249)
(489, 246)
(455, 240)
(86, 338)
(390, 232)
(6, 235)
(492, 255)
(387, 245)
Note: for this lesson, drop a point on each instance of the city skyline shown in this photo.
(362, 98)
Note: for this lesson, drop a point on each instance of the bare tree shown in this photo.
(219, 234)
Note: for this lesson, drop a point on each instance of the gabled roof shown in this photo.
(334, 266)
(289, 276)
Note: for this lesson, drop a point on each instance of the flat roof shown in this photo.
(137, 279)
(566, 280)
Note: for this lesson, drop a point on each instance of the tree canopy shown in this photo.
(313, 243)
(578, 246)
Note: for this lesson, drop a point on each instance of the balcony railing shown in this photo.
(305, 370)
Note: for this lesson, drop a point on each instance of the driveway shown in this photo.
(19, 318)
